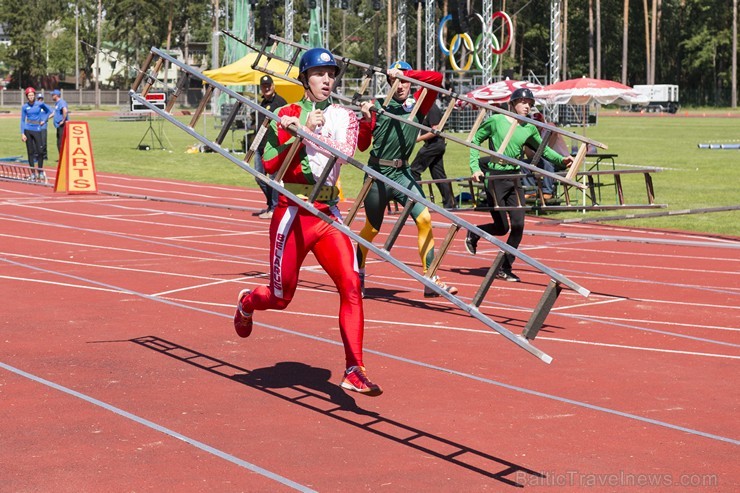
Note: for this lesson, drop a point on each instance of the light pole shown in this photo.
(77, 47)
(97, 57)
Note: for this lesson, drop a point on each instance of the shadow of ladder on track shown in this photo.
(539, 312)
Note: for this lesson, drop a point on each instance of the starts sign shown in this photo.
(76, 168)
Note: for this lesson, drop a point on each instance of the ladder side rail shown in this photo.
(410, 193)
(473, 311)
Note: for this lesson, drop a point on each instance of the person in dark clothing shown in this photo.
(431, 156)
(271, 101)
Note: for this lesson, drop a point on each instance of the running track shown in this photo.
(120, 370)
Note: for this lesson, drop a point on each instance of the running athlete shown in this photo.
(34, 114)
(295, 231)
(507, 192)
(393, 143)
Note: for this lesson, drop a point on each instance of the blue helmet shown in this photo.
(317, 57)
(400, 65)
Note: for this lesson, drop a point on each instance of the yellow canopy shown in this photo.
(241, 73)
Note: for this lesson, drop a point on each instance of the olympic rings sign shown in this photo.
(474, 47)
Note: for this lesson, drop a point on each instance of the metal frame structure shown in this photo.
(430, 29)
(401, 37)
(556, 46)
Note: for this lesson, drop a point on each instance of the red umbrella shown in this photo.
(499, 92)
(585, 90)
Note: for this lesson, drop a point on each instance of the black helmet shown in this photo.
(521, 93)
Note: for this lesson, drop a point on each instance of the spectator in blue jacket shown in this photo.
(33, 114)
(61, 115)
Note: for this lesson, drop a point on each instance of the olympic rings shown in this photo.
(507, 22)
(469, 45)
(445, 51)
(474, 47)
(478, 39)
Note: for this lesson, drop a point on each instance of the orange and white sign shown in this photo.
(76, 168)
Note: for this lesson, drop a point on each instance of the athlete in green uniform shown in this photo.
(393, 143)
(507, 192)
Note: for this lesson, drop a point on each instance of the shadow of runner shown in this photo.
(310, 388)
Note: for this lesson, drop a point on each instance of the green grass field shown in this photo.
(693, 179)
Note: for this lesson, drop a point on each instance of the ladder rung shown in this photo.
(359, 200)
(649, 187)
(442, 250)
(620, 191)
(391, 92)
(541, 149)
(393, 235)
(363, 87)
(488, 279)
(509, 135)
(201, 106)
(542, 310)
(142, 72)
(288, 158)
(228, 122)
(257, 140)
(418, 104)
(478, 121)
(150, 80)
(580, 155)
(181, 83)
(322, 179)
(446, 114)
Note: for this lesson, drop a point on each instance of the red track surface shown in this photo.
(120, 369)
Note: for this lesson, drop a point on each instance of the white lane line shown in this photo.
(660, 322)
(594, 303)
(154, 426)
(640, 348)
(113, 267)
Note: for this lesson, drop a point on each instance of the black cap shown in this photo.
(266, 80)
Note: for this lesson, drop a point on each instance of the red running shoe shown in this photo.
(242, 319)
(355, 379)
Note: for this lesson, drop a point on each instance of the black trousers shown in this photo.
(34, 148)
(60, 134)
(512, 222)
(432, 157)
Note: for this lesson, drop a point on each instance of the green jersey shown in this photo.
(495, 130)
